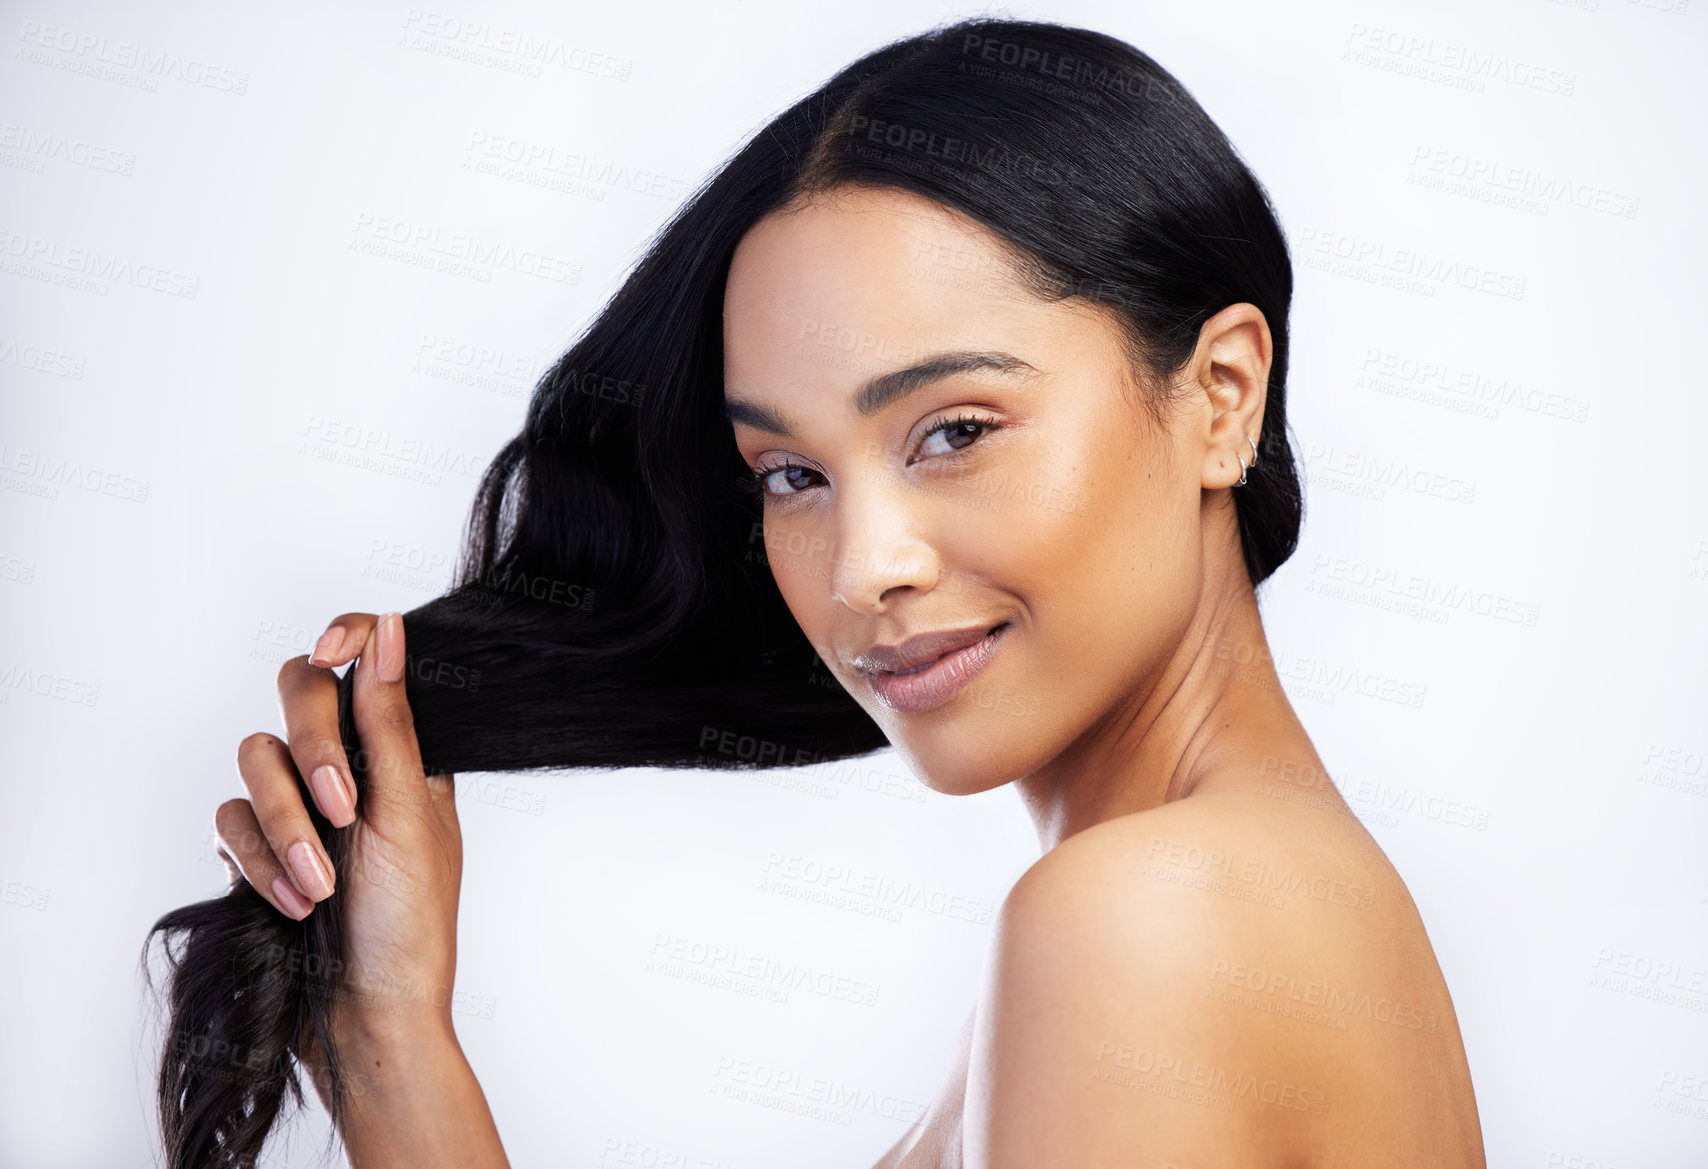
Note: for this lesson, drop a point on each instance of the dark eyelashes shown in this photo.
(942, 423)
(752, 480)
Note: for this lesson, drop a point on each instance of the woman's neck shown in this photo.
(1212, 717)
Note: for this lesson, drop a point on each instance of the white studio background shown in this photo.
(210, 439)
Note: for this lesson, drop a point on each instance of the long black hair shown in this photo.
(614, 606)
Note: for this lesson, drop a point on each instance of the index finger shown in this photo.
(344, 638)
(308, 701)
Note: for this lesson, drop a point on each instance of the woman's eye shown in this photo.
(948, 437)
(783, 480)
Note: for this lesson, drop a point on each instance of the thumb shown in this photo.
(385, 726)
(442, 790)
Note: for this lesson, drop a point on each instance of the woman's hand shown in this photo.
(404, 862)
(412, 1098)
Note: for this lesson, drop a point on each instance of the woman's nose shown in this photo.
(866, 579)
(876, 552)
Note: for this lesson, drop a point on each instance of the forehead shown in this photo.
(865, 279)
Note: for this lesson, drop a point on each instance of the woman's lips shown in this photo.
(928, 687)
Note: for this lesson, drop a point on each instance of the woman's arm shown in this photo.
(413, 1101)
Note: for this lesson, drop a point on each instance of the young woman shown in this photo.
(964, 382)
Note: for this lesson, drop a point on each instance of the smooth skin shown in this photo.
(1212, 962)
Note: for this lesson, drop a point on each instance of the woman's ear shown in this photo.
(1230, 368)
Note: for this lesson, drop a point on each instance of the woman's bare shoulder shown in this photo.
(1236, 974)
(1236, 846)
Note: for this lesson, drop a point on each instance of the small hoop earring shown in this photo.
(1253, 462)
(1242, 470)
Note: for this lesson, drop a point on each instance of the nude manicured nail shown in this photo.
(390, 663)
(311, 872)
(290, 899)
(327, 647)
(332, 794)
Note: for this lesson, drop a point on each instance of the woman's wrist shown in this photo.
(398, 1027)
(368, 1043)
(410, 1096)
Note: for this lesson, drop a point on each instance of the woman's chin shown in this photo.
(951, 772)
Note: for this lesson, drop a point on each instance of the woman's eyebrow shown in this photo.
(885, 388)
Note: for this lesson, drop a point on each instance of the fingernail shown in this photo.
(290, 899)
(310, 870)
(334, 797)
(390, 663)
(327, 646)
